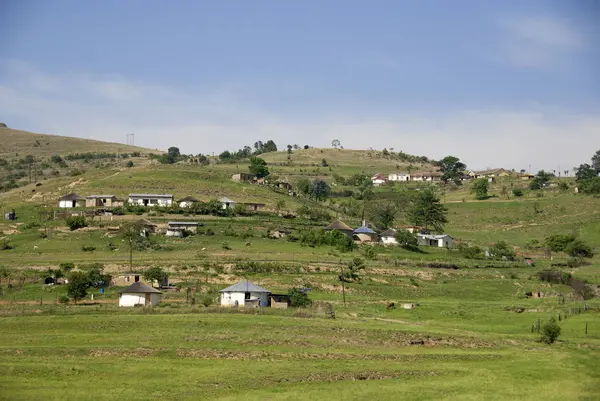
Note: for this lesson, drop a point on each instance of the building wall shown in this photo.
(229, 298)
(129, 300)
(278, 305)
(151, 201)
(186, 204)
(389, 241)
(70, 203)
(174, 233)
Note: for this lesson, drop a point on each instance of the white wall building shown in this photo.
(388, 237)
(150, 199)
(440, 241)
(244, 293)
(378, 179)
(71, 200)
(176, 228)
(399, 177)
(139, 294)
(227, 203)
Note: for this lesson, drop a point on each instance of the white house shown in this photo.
(388, 237)
(378, 179)
(176, 228)
(227, 203)
(186, 202)
(399, 177)
(150, 199)
(71, 200)
(440, 241)
(139, 293)
(244, 293)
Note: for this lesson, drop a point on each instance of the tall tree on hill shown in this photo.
(585, 171)
(270, 146)
(258, 167)
(596, 161)
(427, 211)
(336, 143)
(452, 168)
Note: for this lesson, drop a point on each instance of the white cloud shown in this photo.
(538, 42)
(106, 108)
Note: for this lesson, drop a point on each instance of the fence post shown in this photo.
(586, 327)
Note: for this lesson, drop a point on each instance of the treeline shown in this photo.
(246, 152)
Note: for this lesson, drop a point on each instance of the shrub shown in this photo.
(76, 222)
(406, 239)
(129, 164)
(299, 297)
(550, 331)
(518, 192)
(30, 225)
(66, 266)
(578, 248)
(209, 231)
(470, 252)
(225, 245)
(5, 244)
(88, 248)
(369, 252)
(554, 276)
(501, 251)
(118, 211)
(63, 299)
(78, 285)
(559, 242)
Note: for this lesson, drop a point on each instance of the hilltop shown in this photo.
(17, 143)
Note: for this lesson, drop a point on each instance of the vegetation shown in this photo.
(480, 188)
(258, 167)
(550, 331)
(76, 222)
(453, 169)
(299, 297)
(427, 211)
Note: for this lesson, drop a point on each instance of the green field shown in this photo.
(469, 338)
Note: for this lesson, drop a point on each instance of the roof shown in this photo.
(490, 171)
(226, 200)
(363, 237)
(183, 223)
(378, 177)
(71, 196)
(145, 222)
(100, 196)
(339, 225)
(188, 199)
(363, 230)
(139, 288)
(390, 232)
(150, 195)
(244, 286)
(434, 236)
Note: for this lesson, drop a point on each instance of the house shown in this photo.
(426, 176)
(227, 203)
(130, 278)
(102, 201)
(71, 200)
(364, 234)
(151, 199)
(186, 202)
(254, 206)
(139, 293)
(388, 237)
(244, 293)
(378, 179)
(526, 176)
(340, 226)
(490, 173)
(399, 177)
(439, 241)
(243, 177)
(177, 228)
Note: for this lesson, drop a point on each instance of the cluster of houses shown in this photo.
(429, 176)
(365, 235)
(74, 200)
(242, 294)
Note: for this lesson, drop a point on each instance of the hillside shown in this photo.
(17, 143)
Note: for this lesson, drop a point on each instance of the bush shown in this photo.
(369, 252)
(559, 242)
(76, 222)
(470, 252)
(5, 244)
(299, 298)
(225, 245)
(63, 299)
(518, 192)
(406, 239)
(550, 331)
(501, 251)
(88, 248)
(118, 211)
(66, 266)
(129, 164)
(554, 276)
(578, 248)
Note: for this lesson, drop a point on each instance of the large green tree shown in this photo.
(426, 210)
(383, 214)
(452, 169)
(596, 161)
(155, 273)
(79, 283)
(258, 167)
(480, 188)
(319, 189)
(585, 172)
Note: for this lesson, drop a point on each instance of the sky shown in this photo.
(512, 83)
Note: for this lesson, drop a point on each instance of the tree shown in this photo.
(354, 267)
(427, 211)
(303, 186)
(480, 188)
(270, 146)
(171, 157)
(306, 147)
(129, 164)
(131, 232)
(78, 285)
(155, 273)
(550, 331)
(504, 192)
(336, 143)
(578, 248)
(258, 167)
(289, 149)
(541, 179)
(383, 214)
(406, 239)
(585, 171)
(452, 168)
(76, 222)
(298, 297)
(596, 161)
(324, 163)
(501, 251)
(319, 189)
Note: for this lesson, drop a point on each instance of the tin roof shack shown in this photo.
(139, 294)
(340, 226)
(181, 228)
(439, 241)
(244, 293)
(71, 200)
(151, 199)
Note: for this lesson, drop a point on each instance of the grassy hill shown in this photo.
(16, 143)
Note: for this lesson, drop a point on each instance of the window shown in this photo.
(247, 295)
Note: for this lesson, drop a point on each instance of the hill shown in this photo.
(17, 143)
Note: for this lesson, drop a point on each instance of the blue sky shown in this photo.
(511, 83)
